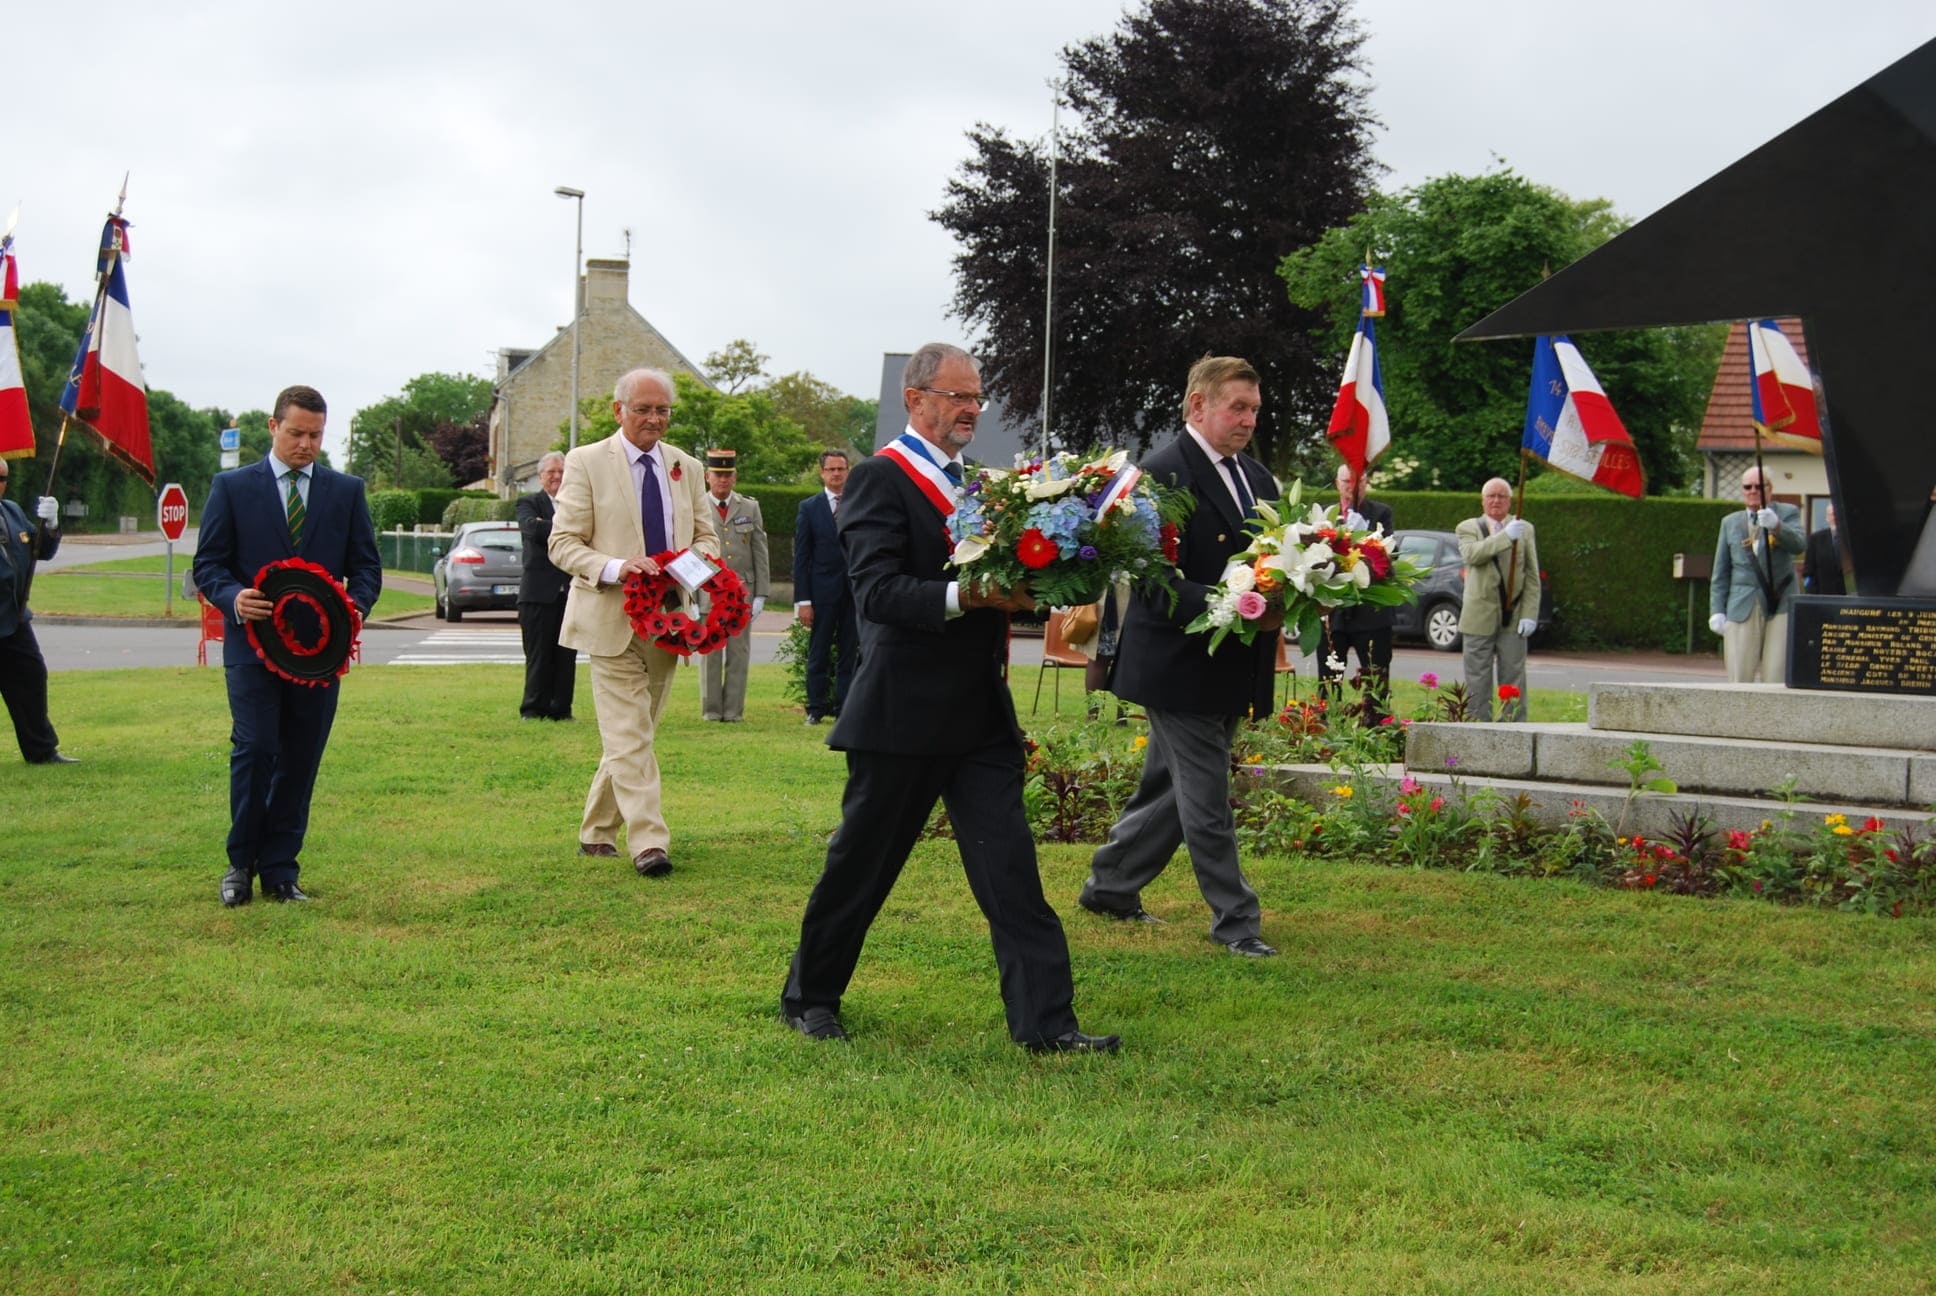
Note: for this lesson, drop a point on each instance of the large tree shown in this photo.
(390, 442)
(1209, 139)
(1455, 249)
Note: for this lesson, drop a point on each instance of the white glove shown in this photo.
(1768, 520)
(1526, 627)
(1716, 621)
(1516, 529)
(1356, 521)
(49, 511)
(759, 604)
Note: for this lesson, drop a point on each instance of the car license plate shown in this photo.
(504, 589)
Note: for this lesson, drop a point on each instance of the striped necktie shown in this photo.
(296, 510)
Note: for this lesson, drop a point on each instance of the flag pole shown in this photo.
(96, 322)
(1519, 500)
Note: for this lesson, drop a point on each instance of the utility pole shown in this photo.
(577, 306)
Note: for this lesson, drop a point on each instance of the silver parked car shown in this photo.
(480, 571)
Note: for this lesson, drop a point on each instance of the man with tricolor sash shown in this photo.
(929, 717)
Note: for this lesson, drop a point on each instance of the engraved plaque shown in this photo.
(1864, 645)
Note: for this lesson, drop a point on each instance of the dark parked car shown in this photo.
(481, 571)
(1435, 617)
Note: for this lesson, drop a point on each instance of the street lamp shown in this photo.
(577, 269)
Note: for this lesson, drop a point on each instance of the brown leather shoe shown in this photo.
(603, 850)
(652, 862)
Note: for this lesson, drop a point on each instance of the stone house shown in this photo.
(531, 392)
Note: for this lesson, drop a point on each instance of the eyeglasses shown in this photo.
(650, 411)
(977, 399)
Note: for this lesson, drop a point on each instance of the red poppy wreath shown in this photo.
(677, 632)
(311, 634)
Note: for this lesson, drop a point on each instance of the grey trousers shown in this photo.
(1492, 661)
(1182, 800)
(722, 678)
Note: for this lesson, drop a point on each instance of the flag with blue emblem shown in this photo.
(1572, 426)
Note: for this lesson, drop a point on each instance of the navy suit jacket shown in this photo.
(245, 527)
(1157, 664)
(819, 566)
(926, 683)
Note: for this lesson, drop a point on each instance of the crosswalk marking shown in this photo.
(465, 648)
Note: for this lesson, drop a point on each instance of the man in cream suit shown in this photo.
(625, 502)
(1501, 607)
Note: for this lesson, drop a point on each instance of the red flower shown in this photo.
(1168, 533)
(1508, 693)
(1035, 550)
(1872, 824)
(1376, 558)
(675, 474)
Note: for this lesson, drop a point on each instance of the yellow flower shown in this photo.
(1832, 820)
(1342, 790)
(1140, 743)
(1257, 758)
(1843, 830)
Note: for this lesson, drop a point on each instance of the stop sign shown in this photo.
(171, 510)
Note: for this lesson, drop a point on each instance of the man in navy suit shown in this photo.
(283, 506)
(931, 719)
(1195, 699)
(821, 597)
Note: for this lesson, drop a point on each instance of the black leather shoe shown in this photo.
(1076, 1042)
(1251, 947)
(58, 758)
(237, 884)
(1136, 915)
(812, 720)
(818, 1024)
(282, 892)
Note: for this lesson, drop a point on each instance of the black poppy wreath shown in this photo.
(727, 611)
(314, 647)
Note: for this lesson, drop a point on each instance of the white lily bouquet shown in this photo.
(1305, 565)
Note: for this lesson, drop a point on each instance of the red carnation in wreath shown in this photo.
(676, 632)
(1035, 550)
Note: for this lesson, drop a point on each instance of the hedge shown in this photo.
(433, 500)
(1610, 560)
(780, 509)
(488, 509)
(393, 510)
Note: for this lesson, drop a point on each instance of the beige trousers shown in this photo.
(1756, 649)
(629, 692)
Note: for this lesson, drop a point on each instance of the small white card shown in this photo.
(691, 569)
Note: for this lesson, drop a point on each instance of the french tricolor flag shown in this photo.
(1571, 424)
(16, 427)
(104, 389)
(1359, 428)
(1373, 278)
(1784, 391)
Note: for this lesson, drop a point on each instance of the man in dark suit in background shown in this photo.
(930, 717)
(1822, 561)
(1368, 628)
(285, 505)
(822, 598)
(550, 670)
(23, 671)
(1195, 699)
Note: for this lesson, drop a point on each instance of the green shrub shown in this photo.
(1609, 559)
(393, 510)
(470, 509)
(433, 500)
(780, 507)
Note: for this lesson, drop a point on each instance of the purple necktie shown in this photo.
(652, 510)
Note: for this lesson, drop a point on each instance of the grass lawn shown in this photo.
(138, 587)
(479, 1063)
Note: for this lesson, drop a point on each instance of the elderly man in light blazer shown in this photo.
(1753, 585)
(627, 501)
(1501, 606)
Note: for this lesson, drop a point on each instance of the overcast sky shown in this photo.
(354, 193)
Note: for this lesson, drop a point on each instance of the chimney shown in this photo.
(607, 281)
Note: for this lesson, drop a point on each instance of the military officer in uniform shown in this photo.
(742, 547)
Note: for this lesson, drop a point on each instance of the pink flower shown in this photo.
(1408, 785)
(1251, 605)
(1438, 803)
(1429, 680)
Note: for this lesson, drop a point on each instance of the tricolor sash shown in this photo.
(907, 451)
(1124, 482)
